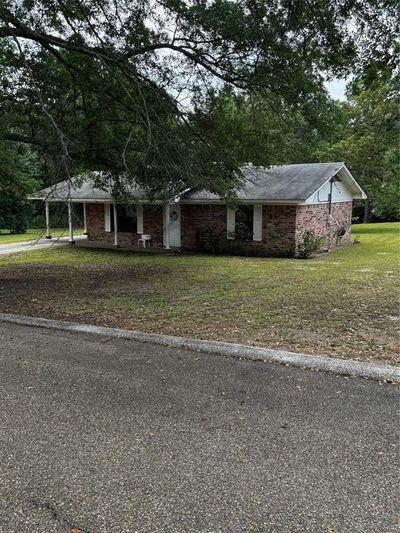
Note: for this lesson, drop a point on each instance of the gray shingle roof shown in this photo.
(292, 183)
(83, 188)
(279, 183)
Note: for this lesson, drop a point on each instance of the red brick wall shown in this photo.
(282, 230)
(283, 226)
(278, 232)
(152, 225)
(315, 218)
(196, 218)
(95, 222)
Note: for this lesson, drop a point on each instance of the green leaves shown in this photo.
(369, 143)
(264, 129)
(112, 86)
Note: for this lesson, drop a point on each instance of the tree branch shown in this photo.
(20, 30)
(26, 139)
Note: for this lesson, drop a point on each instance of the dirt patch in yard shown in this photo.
(250, 301)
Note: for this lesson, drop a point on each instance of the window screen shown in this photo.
(244, 222)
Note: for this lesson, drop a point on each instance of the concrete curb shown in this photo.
(345, 367)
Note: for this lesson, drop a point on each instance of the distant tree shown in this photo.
(18, 178)
(369, 144)
(14, 212)
(19, 168)
(267, 131)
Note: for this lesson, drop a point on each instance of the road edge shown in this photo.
(347, 367)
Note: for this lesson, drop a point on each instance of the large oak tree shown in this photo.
(112, 84)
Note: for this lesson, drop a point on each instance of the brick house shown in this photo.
(275, 207)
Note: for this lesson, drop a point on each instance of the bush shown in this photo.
(341, 230)
(310, 243)
(242, 232)
(207, 239)
(239, 239)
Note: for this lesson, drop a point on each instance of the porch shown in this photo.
(102, 245)
(145, 228)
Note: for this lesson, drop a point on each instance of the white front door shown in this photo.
(174, 225)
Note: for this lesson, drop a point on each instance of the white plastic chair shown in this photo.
(144, 239)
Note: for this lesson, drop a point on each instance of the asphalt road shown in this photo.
(113, 436)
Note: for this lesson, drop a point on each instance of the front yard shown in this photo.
(344, 305)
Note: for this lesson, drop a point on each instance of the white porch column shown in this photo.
(166, 225)
(84, 219)
(115, 224)
(71, 229)
(48, 234)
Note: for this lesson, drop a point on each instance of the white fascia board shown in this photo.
(91, 200)
(75, 200)
(344, 171)
(161, 202)
(245, 202)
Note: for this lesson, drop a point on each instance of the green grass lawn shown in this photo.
(344, 304)
(32, 234)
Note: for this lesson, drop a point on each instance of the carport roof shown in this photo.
(292, 183)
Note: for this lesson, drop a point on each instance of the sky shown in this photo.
(336, 88)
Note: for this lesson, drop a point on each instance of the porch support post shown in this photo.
(48, 234)
(71, 229)
(115, 225)
(84, 219)
(166, 222)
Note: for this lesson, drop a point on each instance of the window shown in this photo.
(127, 219)
(244, 223)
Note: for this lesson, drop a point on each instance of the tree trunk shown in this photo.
(366, 211)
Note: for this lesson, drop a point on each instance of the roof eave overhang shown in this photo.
(218, 201)
(185, 202)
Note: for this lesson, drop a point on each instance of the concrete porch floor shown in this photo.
(85, 243)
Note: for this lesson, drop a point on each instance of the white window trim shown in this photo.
(230, 223)
(107, 217)
(257, 222)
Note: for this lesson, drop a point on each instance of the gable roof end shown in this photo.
(347, 178)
